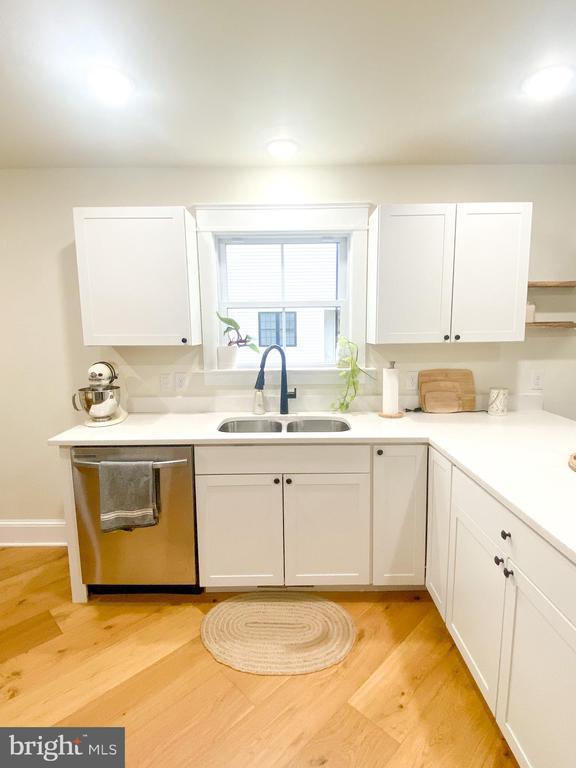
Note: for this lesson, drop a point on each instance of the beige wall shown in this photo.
(43, 359)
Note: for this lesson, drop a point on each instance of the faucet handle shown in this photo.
(292, 394)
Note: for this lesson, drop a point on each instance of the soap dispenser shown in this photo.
(259, 407)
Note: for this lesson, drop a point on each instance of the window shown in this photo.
(289, 291)
(277, 328)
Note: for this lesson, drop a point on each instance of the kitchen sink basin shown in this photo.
(250, 425)
(317, 425)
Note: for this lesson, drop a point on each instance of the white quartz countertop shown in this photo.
(521, 458)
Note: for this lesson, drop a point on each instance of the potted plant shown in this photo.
(348, 360)
(227, 352)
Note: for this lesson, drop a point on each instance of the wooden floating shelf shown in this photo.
(558, 324)
(552, 284)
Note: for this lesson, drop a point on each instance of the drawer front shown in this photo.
(489, 515)
(552, 573)
(256, 459)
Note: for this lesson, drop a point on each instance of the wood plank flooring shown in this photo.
(403, 698)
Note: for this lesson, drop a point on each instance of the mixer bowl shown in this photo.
(100, 404)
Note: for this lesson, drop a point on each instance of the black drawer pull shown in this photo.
(498, 560)
(289, 481)
(380, 452)
(276, 480)
(505, 534)
(507, 573)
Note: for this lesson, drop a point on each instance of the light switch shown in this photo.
(180, 381)
(165, 382)
(537, 380)
(411, 381)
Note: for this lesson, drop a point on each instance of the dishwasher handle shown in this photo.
(81, 463)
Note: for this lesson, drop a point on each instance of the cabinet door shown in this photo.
(491, 271)
(399, 514)
(411, 255)
(240, 533)
(439, 490)
(327, 529)
(135, 282)
(537, 678)
(475, 600)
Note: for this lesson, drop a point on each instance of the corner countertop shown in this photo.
(520, 458)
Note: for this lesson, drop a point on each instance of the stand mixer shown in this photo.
(100, 400)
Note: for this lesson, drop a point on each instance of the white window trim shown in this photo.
(344, 220)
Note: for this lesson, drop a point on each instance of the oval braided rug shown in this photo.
(278, 633)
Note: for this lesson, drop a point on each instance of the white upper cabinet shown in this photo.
(491, 271)
(410, 265)
(450, 272)
(138, 273)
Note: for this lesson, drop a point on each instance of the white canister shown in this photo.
(498, 402)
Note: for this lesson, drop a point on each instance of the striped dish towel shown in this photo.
(128, 495)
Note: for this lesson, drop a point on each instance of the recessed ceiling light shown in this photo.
(109, 85)
(282, 149)
(548, 83)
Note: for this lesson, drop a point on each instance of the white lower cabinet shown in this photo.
(327, 529)
(283, 528)
(399, 514)
(475, 601)
(511, 614)
(240, 530)
(438, 530)
(537, 678)
(506, 593)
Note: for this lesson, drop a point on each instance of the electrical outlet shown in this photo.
(537, 380)
(165, 382)
(180, 381)
(411, 381)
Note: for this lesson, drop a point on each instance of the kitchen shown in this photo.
(440, 543)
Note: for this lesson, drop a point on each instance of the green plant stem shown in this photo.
(351, 374)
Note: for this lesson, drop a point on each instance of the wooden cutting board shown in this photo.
(446, 390)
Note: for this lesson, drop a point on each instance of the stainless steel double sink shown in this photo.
(292, 425)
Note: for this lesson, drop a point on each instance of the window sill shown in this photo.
(235, 376)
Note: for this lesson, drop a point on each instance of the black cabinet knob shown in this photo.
(380, 452)
(446, 337)
(289, 481)
(457, 337)
(505, 535)
(498, 560)
(507, 573)
(276, 480)
(184, 340)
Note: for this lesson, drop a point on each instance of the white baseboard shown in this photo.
(32, 533)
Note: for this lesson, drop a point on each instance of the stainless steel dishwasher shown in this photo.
(164, 554)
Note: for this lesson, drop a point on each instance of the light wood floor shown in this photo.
(402, 699)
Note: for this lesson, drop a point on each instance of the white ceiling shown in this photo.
(352, 81)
